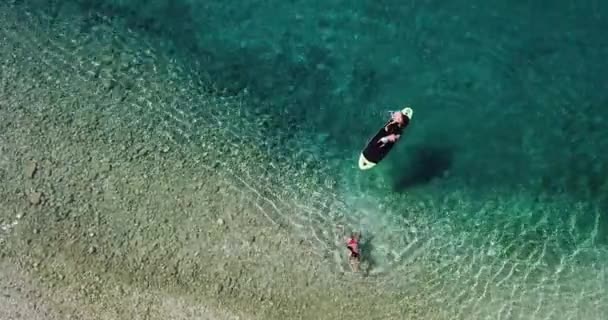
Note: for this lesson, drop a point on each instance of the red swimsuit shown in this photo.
(353, 245)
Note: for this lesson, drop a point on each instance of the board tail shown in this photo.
(364, 164)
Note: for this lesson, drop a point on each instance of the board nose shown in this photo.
(408, 112)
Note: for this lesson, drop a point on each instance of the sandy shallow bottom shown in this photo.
(96, 235)
(105, 217)
(23, 298)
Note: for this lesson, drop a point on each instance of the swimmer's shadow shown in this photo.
(367, 260)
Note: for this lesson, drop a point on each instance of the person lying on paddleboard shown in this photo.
(394, 128)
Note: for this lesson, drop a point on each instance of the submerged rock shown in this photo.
(30, 169)
(35, 197)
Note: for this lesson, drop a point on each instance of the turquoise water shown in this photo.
(507, 96)
(494, 203)
(503, 92)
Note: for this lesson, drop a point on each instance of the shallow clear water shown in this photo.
(493, 204)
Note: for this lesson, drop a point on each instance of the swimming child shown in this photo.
(354, 256)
